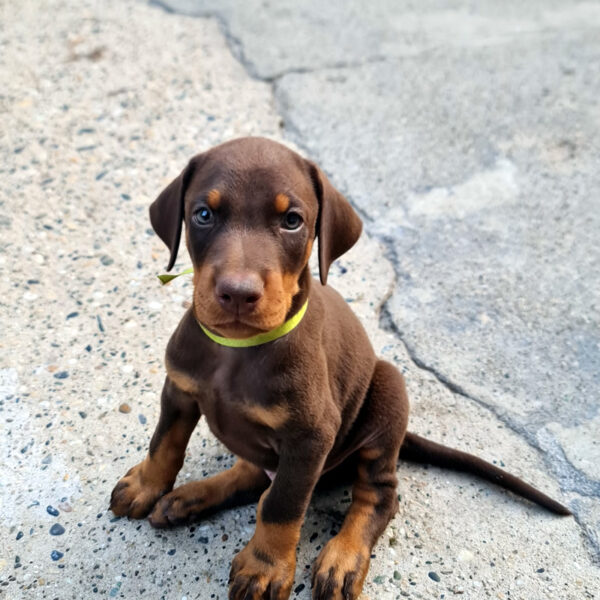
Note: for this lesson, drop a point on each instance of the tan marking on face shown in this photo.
(309, 248)
(206, 308)
(182, 380)
(282, 203)
(289, 282)
(213, 199)
(271, 310)
(273, 417)
(208, 311)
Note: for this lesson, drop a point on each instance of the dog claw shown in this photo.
(338, 575)
(251, 578)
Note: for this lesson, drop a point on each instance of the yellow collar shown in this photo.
(261, 338)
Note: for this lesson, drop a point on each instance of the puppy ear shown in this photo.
(167, 212)
(338, 225)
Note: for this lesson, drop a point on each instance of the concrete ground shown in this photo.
(466, 135)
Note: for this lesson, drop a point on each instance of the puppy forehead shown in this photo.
(273, 185)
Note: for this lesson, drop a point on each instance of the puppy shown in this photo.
(281, 369)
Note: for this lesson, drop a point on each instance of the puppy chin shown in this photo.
(236, 330)
(230, 326)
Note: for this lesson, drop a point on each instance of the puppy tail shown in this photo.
(418, 449)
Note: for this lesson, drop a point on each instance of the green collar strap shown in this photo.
(166, 277)
(261, 338)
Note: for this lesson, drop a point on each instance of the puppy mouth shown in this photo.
(237, 327)
(230, 324)
(238, 323)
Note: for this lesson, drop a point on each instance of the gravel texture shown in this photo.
(102, 104)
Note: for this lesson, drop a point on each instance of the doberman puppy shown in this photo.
(281, 369)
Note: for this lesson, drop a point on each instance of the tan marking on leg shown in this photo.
(363, 496)
(348, 553)
(165, 462)
(351, 536)
(344, 562)
(370, 453)
(273, 417)
(349, 543)
(269, 559)
(213, 199)
(189, 500)
(144, 484)
(282, 203)
(242, 476)
(276, 539)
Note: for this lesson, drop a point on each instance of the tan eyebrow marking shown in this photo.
(213, 199)
(282, 203)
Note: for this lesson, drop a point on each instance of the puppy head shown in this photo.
(252, 209)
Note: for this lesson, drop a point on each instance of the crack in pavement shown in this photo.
(572, 481)
(569, 478)
(335, 66)
(237, 46)
(237, 49)
(234, 43)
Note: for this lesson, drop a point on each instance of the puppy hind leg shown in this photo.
(342, 565)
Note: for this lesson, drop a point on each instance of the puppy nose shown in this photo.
(239, 294)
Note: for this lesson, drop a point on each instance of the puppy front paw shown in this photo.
(256, 574)
(340, 571)
(136, 493)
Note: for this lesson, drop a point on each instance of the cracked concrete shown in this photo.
(466, 138)
(497, 268)
(274, 39)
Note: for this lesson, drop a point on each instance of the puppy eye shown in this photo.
(292, 221)
(203, 216)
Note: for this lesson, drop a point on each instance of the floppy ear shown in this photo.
(167, 212)
(338, 225)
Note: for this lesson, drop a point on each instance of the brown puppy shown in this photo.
(294, 407)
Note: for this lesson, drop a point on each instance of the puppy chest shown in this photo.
(245, 427)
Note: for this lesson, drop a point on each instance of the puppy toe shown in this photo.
(162, 516)
(325, 585)
(176, 508)
(339, 572)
